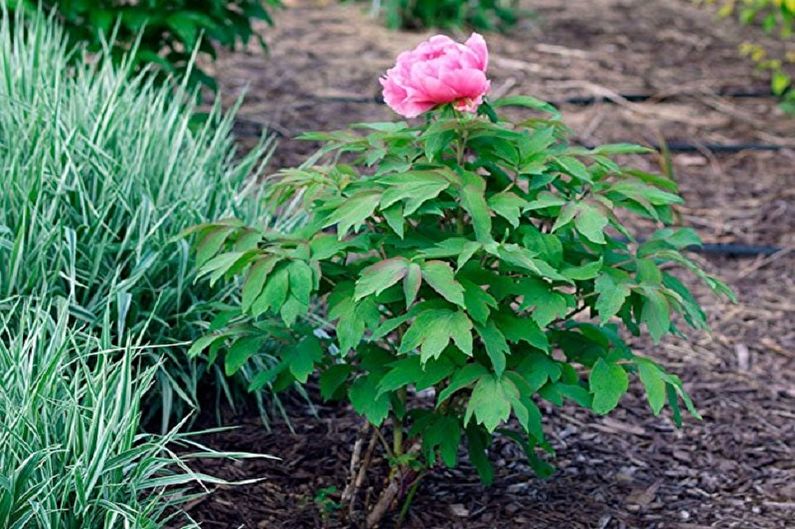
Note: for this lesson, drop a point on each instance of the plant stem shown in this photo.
(409, 498)
(397, 434)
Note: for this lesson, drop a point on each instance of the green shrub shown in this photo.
(170, 31)
(101, 171)
(71, 454)
(478, 14)
(488, 260)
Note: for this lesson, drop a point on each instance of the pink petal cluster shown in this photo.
(438, 71)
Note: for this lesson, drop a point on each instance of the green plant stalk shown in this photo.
(404, 509)
(397, 434)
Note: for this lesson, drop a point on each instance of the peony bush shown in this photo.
(468, 267)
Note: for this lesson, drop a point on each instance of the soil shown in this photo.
(733, 469)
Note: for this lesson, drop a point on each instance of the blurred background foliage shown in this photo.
(484, 15)
(777, 18)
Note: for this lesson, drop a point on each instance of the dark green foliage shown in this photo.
(170, 31)
(485, 259)
(479, 14)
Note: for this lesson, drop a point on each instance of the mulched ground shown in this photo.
(736, 468)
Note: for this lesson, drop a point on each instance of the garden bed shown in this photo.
(735, 468)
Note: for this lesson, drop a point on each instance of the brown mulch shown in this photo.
(734, 469)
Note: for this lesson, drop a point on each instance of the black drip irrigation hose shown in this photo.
(585, 101)
(735, 250)
(713, 148)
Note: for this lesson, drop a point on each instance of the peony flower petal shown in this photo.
(466, 83)
(477, 43)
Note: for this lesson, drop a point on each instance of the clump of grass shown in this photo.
(71, 452)
(101, 171)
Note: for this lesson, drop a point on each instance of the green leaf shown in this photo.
(645, 193)
(440, 276)
(366, 401)
(185, 28)
(255, 280)
(591, 222)
(577, 393)
(538, 368)
(477, 444)
(353, 212)
(490, 402)
(552, 307)
(613, 291)
(218, 266)
(302, 358)
(394, 216)
(445, 433)
(301, 281)
(473, 201)
(544, 200)
(608, 383)
(518, 329)
(676, 383)
(614, 149)
(460, 247)
(432, 331)
(673, 402)
(211, 242)
(496, 346)
(461, 332)
(412, 283)
(380, 276)
(526, 102)
(648, 272)
(401, 373)
(240, 352)
(566, 215)
(583, 272)
(521, 257)
(572, 166)
(333, 378)
(268, 376)
(324, 246)
(461, 379)
(478, 302)
(507, 205)
(415, 187)
(524, 408)
(411, 370)
(653, 380)
(656, 313)
(203, 343)
(352, 318)
(274, 294)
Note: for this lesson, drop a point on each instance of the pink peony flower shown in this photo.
(437, 72)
